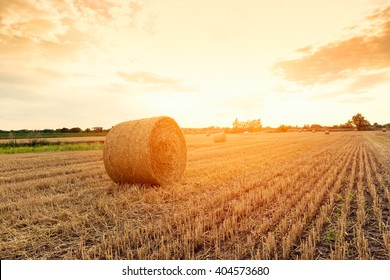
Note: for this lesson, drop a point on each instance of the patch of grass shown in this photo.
(39, 146)
(26, 135)
(330, 236)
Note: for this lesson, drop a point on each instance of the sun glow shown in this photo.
(118, 60)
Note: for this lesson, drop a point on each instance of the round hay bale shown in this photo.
(383, 129)
(220, 137)
(208, 134)
(151, 151)
(326, 131)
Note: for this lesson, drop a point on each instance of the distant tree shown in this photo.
(64, 130)
(97, 129)
(282, 128)
(255, 125)
(348, 125)
(87, 130)
(236, 123)
(75, 129)
(377, 125)
(249, 125)
(360, 122)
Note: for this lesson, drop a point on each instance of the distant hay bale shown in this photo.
(220, 137)
(314, 131)
(383, 129)
(326, 131)
(208, 134)
(151, 151)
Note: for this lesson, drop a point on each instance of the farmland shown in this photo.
(51, 145)
(257, 196)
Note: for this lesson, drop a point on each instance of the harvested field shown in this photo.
(265, 196)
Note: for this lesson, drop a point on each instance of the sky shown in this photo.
(86, 63)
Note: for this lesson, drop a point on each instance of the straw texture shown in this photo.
(151, 151)
(220, 137)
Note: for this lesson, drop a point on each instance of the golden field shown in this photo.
(257, 196)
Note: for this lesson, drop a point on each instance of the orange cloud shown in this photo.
(59, 29)
(101, 8)
(341, 59)
(306, 49)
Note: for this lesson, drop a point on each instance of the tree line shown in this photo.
(357, 121)
(46, 133)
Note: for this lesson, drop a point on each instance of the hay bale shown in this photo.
(208, 134)
(314, 131)
(326, 131)
(149, 151)
(220, 137)
(383, 129)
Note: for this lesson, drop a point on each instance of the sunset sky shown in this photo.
(85, 63)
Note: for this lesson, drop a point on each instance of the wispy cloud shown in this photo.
(343, 59)
(142, 77)
(306, 49)
(14, 93)
(17, 79)
(99, 9)
(364, 82)
(355, 87)
(51, 73)
(151, 82)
